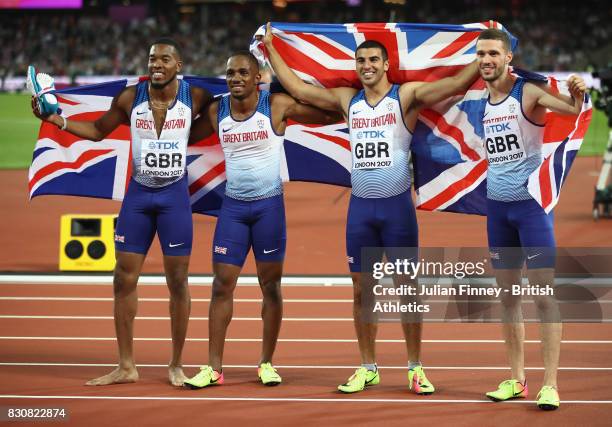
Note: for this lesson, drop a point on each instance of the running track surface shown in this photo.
(56, 336)
(317, 349)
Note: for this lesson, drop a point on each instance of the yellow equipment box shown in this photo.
(87, 242)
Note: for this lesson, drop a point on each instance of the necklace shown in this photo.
(156, 105)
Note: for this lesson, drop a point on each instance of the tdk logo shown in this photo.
(164, 145)
(370, 134)
(498, 127)
(373, 133)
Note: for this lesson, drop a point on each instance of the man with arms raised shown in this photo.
(159, 111)
(381, 118)
(514, 128)
(250, 124)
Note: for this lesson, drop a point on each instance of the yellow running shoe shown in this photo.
(268, 375)
(361, 379)
(548, 398)
(509, 389)
(418, 382)
(206, 377)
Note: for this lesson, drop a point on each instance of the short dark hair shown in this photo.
(248, 55)
(374, 44)
(170, 42)
(496, 34)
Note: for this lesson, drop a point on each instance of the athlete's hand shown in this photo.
(36, 109)
(577, 86)
(51, 118)
(268, 37)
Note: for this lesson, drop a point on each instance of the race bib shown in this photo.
(372, 149)
(162, 158)
(504, 142)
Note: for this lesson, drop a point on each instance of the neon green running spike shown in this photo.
(268, 375)
(361, 379)
(509, 389)
(418, 382)
(206, 377)
(548, 398)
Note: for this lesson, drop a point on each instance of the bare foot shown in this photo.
(176, 376)
(118, 376)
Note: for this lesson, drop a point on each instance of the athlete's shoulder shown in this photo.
(200, 97)
(532, 91)
(213, 105)
(125, 98)
(281, 100)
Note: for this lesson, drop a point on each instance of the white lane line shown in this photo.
(287, 300)
(206, 280)
(305, 340)
(165, 300)
(247, 319)
(439, 368)
(293, 399)
(161, 280)
(289, 319)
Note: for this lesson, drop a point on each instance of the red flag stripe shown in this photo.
(456, 187)
(453, 131)
(54, 167)
(583, 124)
(344, 143)
(299, 62)
(545, 186)
(329, 49)
(455, 46)
(207, 177)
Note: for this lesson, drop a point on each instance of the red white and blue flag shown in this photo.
(448, 153)
(69, 165)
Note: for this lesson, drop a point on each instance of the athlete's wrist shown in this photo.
(61, 122)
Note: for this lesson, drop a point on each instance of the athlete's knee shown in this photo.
(510, 301)
(545, 303)
(178, 288)
(271, 291)
(125, 279)
(222, 288)
(177, 283)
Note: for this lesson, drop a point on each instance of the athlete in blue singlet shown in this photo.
(381, 118)
(159, 112)
(514, 127)
(250, 124)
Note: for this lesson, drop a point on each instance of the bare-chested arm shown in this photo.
(97, 130)
(201, 98)
(286, 108)
(418, 95)
(537, 98)
(206, 124)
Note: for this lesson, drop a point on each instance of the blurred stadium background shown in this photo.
(81, 41)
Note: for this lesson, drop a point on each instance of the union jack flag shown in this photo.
(66, 164)
(448, 154)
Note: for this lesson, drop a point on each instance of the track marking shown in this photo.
(305, 340)
(205, 280)
(439, 368)
(165, 300)
(161, 280)
(289, 300)
(258, 319)
(296, 399)
(247, 319)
